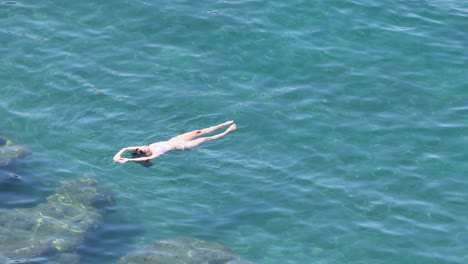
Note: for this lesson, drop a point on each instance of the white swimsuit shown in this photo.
(165, 146)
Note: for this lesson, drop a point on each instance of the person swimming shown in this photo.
(184, 141)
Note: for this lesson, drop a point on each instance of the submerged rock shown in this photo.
(55, 226)
(9, 151)
(183, 250)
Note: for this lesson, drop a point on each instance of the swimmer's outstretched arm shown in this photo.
(142, 158)
(118, 156)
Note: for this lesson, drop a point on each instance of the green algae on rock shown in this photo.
(183, 250)
(56, 226)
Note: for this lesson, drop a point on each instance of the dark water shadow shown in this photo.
(19, 189)
(112, 239)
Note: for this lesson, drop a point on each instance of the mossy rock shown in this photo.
(183, 250)
(56, 226)
(9, 151)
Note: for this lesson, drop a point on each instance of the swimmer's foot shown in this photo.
(231, 128)
(227, 123)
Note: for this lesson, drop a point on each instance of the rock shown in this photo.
(56, 226)
(183, 250)
(9, 151)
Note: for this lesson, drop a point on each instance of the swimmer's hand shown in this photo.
(121, 160)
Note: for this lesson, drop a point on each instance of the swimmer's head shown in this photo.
(143, 151)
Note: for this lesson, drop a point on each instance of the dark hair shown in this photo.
(137, 153)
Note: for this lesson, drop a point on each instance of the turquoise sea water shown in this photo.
(352, 123)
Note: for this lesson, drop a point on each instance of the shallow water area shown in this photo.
(351, 123)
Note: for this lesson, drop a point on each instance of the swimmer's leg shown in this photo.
(196, 142)
(196, 133)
